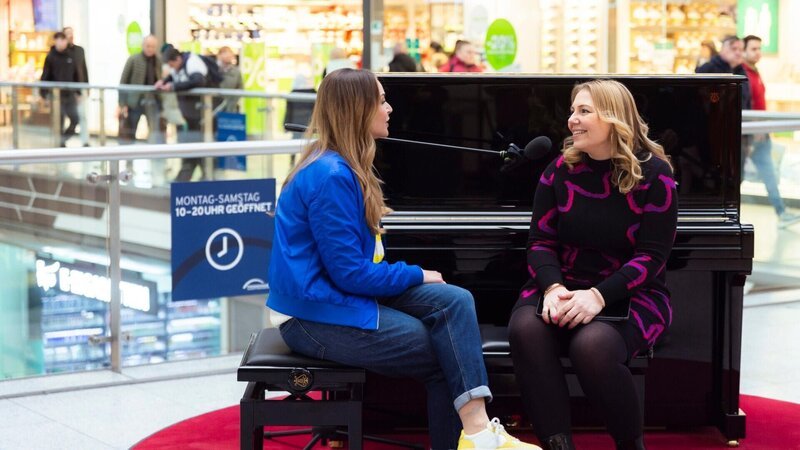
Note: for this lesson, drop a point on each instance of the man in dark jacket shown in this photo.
(188, 71)
(79, 55)
(402, 61)
(144, 69)
(59, 65)
(729, 60)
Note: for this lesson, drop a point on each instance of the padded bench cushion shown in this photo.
(495, 345)
(269, 350)
(494, 340)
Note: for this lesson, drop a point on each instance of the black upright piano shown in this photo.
(457, 212)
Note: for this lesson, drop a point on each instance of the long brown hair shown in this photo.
(347, 101)
(615, 105)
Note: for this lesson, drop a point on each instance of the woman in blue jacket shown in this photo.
(339, 300)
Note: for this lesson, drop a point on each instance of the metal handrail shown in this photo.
(204, 149)
(149, 151)
(752, 114)
(769, 126)
(299, 97)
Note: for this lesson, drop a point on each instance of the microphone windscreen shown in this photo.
(538, 148)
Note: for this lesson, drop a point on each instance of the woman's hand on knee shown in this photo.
(580, 309)
(431, 276)
(552, 302)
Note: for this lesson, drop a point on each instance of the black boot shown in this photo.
(631, 444)
(560, 441)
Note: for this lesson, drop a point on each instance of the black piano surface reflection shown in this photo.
(457, 213)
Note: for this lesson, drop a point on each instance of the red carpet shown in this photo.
(771, 424)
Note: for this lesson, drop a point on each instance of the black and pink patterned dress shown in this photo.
(585, 233)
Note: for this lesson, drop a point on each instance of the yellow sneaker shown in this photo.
(493, 437)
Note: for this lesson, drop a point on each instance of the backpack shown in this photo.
(214, 76)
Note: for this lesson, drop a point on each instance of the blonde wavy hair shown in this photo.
(347, 101)
(615, 105)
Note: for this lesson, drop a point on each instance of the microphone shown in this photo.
(536, 149)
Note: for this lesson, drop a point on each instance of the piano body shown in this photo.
(457, 213)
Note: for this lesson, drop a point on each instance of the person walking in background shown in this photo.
(464, 59)
(79, 55)
(143, 68)
(187, 71)
(402, 61)
(231, 77)
(60, 65)
(170, 112)
(707, 51)
(761, 152)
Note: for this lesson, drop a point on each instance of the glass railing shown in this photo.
(77, 222)
(771, 137)
(39, 115)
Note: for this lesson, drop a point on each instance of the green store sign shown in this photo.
(500, 44)
(759, 18)
(133, 38)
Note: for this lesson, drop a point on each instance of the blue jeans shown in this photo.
(429, 333)
(762, 159)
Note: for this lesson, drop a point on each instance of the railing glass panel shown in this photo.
(54, 281)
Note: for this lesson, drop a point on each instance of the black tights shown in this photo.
(599, 355)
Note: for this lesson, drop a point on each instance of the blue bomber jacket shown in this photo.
(322, 266)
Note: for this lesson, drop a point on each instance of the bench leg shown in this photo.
(251, 436)
(355, 434)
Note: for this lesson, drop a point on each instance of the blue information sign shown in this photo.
(221, 237)
(231, 127)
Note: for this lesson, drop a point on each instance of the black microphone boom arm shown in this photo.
(302, 128)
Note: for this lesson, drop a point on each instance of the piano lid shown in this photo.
(696, 118)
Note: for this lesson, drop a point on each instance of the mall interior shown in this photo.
(103, 347)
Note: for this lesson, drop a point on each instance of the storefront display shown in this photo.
(573, 36)
(27, 51)
(297, 29)
(423, 20)
(29, 31)
(292, 28)
(417, 24)
(74, 299)
(667, 36)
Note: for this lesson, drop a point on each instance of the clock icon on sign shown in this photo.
(223, 240)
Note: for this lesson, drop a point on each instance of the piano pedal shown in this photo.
(733, 443)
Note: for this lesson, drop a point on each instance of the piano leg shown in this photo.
(728, 351)
(734, 428)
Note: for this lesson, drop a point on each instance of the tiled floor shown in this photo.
(57, 416)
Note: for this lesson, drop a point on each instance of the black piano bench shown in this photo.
(497, 355)
(268, 364)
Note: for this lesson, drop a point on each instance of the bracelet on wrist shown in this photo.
(551, 287)
(598, 295)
